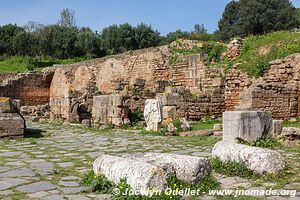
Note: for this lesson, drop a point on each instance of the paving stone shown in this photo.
(74, 190)
(6, 192)
(76, 197)
(11, 182)
(10, 154)
(53, 197)
(38, 195)
(36, 187)
(70, 178)
(68, 183)
(65, 164)
(18, 173)
(43, 168)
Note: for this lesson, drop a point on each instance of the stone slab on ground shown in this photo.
(261, 160)
(36, 187)
(141, 176)
(247, 125)
(11, 125)
(186, 168)
(209, 132)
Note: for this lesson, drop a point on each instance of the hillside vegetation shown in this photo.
(258, 51)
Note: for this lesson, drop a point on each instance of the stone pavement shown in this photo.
(51, 166)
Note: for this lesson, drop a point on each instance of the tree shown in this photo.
(298, 15)
(146, 37)
(88, 43)
(228, 23)
(199, 29)
(25, 44)
(7, 33)
(32, 26)
(172, 36)
(256, 17)
(67, 18)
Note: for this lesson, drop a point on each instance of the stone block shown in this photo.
(247, 125)
(260, 160)
(11, 125)
(153, 114)
(190, 169)
(197, 133)
(169, 99)
(5, 105)
(115, 100)
(86, 123)
(141, 176)
(169, 112)
(277, 126)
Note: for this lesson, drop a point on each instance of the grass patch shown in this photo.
(214, 51)
(264, 142)
(157, 133)
(239, 169)
(17, 64)
(258, 51)
(205, 124)
(101, 184)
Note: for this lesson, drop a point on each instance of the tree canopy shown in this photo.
(246, 17)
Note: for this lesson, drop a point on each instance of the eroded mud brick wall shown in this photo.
(30, 88)
(277, 91)
(119, 74)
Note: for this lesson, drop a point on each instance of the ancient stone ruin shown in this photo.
(12, 123)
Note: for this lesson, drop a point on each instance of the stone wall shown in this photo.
(138, 74)
(277, 91)
(30, 88)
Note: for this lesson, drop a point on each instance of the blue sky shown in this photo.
(163, 15)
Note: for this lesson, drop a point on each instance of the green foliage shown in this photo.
(264, 142)
(97, 183)
(177, 125)
(124, 37)
(136, 115)
(296, 124)
(239, 169)
(258, 51)
(206, 184)
(25, 63)
(158, 133)
(212, 49)
(205, 124)
(231, 168)
(247, 17)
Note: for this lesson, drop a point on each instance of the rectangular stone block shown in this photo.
(247, 125)
(5, 105)
(11, 125)
(277, 126)
(169, 99)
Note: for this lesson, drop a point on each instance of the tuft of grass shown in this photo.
(264, 142)
(213, 49)
(97, 183)
(205, 124)
(231, 168)
(239, 169)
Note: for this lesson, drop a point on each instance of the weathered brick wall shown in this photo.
(30, 88)
(277, 91)
(118, 74)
